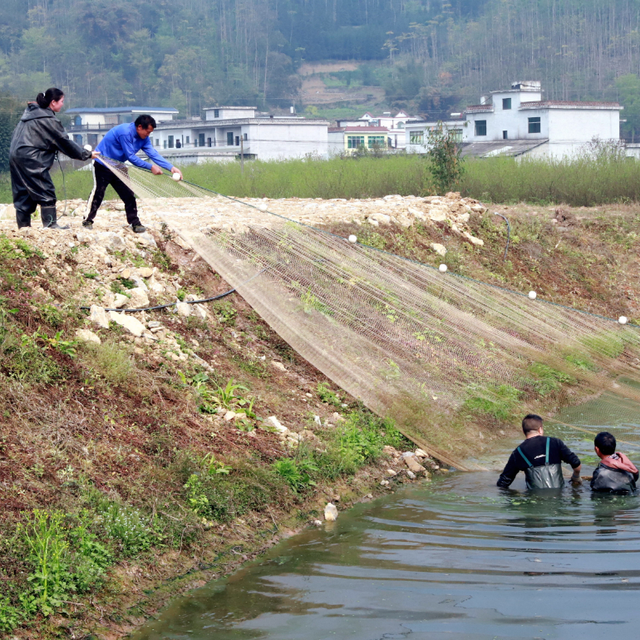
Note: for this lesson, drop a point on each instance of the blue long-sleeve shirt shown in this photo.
(122, 143)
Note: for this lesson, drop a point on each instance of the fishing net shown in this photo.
(411, 342)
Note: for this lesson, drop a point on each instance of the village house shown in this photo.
(517, 122)
(347, 140)
(392, 127)
(89, 126)
(225, 133)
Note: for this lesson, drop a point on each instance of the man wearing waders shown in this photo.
(540, 458)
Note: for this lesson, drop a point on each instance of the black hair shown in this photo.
(605, 442)
(50, 95)
(531, 422)
(145, 122)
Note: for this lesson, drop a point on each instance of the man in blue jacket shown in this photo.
(122, 143)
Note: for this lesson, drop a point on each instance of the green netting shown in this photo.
(409, 341)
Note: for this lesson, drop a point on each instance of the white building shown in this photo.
(226, 133)
(395, 126)
(348, 140)
(89, 126)
(518, 121)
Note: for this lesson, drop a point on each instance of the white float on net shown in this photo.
(442, 268)
(353, 238)
(533, 295)
(623, 319)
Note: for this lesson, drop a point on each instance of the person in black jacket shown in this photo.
(540, 458)
(615, 473)
(35, 142)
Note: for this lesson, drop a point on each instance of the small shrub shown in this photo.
(196, 498)
(446, 162)
(225, 312)
(580, 361)
(22, 359)
(110, 361)
(357, 441)
(549, 379)
(47, 551)
(326, 395)
(296, 474)
(10, 616)
(127, 528)
(499, 401)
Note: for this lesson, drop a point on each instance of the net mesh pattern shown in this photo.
(409, 341)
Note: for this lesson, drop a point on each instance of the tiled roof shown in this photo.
(494, 148)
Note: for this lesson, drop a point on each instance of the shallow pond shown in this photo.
(455, 559)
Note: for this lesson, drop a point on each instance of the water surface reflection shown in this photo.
(456, 559)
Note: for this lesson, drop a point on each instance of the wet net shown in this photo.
(423, 347)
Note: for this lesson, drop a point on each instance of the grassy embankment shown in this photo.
(118, 473)
(118, 467)
(582, 182)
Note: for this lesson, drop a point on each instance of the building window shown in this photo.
(505, 135)
(534, 125)
(170, 142)
(187, 140)
(355, 142)
(209, 142)
(164, 144)
(506, 104)
(375, 141)
(416, 137)
(201, 140)
(230, 138)
(246, 137)
(237, 141)
(481, 127)
(216, 113)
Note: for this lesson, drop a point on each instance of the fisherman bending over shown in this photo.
(122, 143)
(539, 457)
(615, 473)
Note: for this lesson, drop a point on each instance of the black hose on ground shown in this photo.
(170, 304)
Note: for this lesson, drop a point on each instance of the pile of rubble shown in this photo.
(233, 215)
(217, 212)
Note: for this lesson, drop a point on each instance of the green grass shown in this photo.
(580, 182)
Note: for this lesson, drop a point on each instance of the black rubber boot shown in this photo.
(23, 219)
(50, 218)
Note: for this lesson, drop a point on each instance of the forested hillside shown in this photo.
(429, 55)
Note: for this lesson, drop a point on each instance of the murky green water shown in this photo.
(457, 559)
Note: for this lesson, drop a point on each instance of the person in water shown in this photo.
(540, 458)
(615, 473)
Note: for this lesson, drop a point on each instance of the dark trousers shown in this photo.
(102, 178)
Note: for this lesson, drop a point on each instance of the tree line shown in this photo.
(431, 56)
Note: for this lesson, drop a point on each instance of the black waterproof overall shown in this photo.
(35, 142)
(608, 480)
(547, 476)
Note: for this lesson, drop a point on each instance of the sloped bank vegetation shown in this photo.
(130, 461)
(139, 467)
